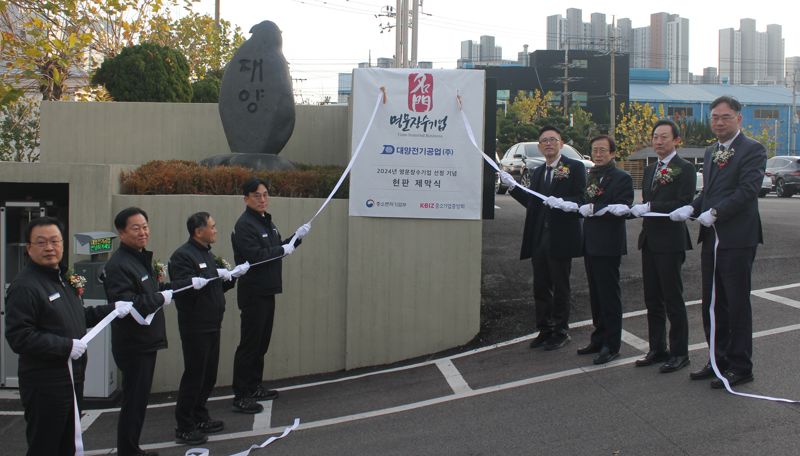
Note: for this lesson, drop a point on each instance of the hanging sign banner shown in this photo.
(417, 159)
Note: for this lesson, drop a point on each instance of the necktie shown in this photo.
(721, 148)
(658, 170)
(547, 177)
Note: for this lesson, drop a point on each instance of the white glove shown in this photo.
(507, 180)
(303, 230)
(552, 201)
(240, 269)
(123, 308)
(167, 294)
(78, 349)
(198, 282)
(619, 209)
(288, 249)
(225, 274)
(706, 219)
(639, 209)
(586, 210)
(568, 206)
(681, 214)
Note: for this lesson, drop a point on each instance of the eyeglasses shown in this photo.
(549, 140)
(600, 149)
(724, 118)
(44, 243)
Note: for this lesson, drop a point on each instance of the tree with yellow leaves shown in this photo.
(634, 127)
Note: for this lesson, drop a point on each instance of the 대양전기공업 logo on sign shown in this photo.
(420, 92)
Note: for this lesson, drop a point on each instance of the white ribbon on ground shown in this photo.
(271, 439)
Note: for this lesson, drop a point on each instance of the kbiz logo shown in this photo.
(420, 92)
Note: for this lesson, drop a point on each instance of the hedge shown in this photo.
(180, 177)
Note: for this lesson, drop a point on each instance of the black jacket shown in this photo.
(43, 314)
(255, 238)
(605, 235)
(660, 234)
(129, 276)
(198, 310)
(563, 228)
(733, 191)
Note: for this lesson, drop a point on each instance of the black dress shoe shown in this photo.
(605, 356)
(193, 437)
(589, 349)
(705, 373)
(732, 378)
(556, 341)
(652, 357)
(541, 339)
(263, 394)
(211, 426)
(674, 363)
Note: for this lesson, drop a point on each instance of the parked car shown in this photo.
(766, 186)
(523, 157)
(698, 186)
(785, 174)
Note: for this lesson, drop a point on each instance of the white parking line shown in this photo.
(453, 376)
(778, 299)
(262, 421)
(88, 418)
(635, 341)
(457, 396)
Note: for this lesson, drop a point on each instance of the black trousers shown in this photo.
(200, 362)
(257, 314)
(605, 297)
(50, 418)
(137, 379)
(663, 297)
(551, 292)
(734, 318)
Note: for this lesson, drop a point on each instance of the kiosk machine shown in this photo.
(101, 371)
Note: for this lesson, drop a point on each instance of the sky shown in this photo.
(322, 38)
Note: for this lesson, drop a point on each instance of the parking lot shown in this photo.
(508, 399)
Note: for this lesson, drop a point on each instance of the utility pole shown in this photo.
(414, 32)
(565, 89)
(793, 119)
(216, 13)
(612, 111)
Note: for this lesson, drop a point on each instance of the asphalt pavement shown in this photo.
(509, 399)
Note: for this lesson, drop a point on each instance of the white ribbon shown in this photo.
(712, 343)
(205, 452)
(76, 419)
(381, 96)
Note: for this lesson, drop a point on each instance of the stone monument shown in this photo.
(256, 102)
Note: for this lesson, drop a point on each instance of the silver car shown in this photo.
(523, 157)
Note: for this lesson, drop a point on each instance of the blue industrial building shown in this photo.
(764, 107)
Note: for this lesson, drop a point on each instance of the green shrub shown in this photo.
(146, 72)
(179, 177)
(206, 90)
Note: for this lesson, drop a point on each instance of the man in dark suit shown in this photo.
(608, 195)
(728, 210)
(666, 185)
(552, 235)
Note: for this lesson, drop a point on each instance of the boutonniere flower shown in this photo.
(561, 172)
(667, 175)
(594, 190)
(222, 262)
(722, 157)
(159, 270)
(77, 281)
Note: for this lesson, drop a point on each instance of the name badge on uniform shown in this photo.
(54, 296)
(202, 266)
(145, 277)
(265, 235)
